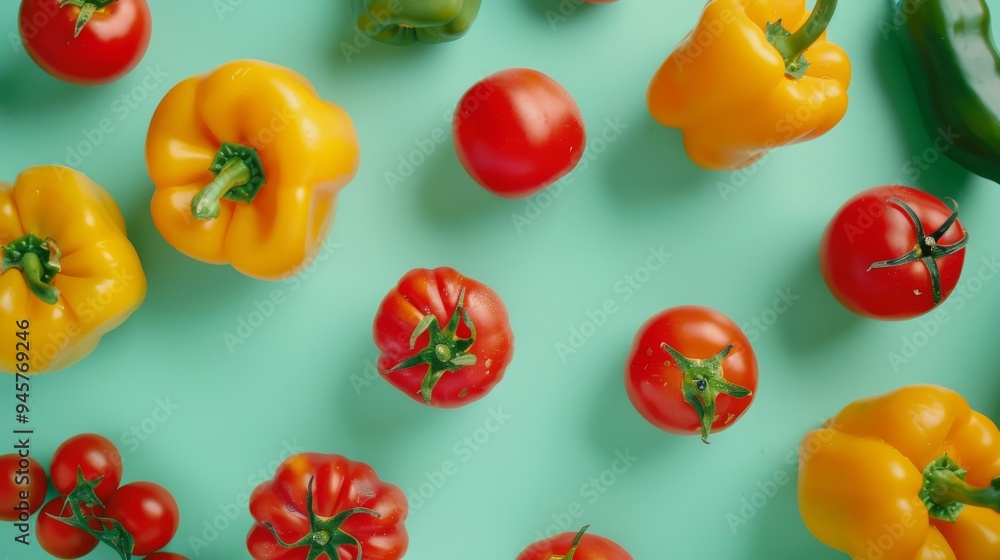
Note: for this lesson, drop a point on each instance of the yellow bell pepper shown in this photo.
(740, 84)
(910, 475)
(70, 274)
(247, 161)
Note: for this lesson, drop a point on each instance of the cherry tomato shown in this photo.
(148, 512)
(582, 546)
(893, 252)
(96, 455)
(445, 338)
(108, 46)
(165, 556)
(23, 485)
(59, 539)
(691, 370)
(517, 132)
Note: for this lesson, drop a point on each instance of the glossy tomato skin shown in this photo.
(869, 229)
(591, 547)
(59, 539)
(517, 132)
(148, 512)
(696, 332)
(339, 485)
(424, 291)
(109, 46)
(23, 485)
(166, 556)
(96, 455)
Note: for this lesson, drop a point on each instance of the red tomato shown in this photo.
(583, 546)
(691, 370)
(517, 132)
(165, 556)
(445, 338)
(148, 512)
(22, 487)
(875, 227)
(327, 506)
(109, 45)
(59, 539)
(96, 455)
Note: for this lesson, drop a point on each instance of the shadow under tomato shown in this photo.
(816, 318)
(26, 88)
(655, 154)
(451, 199)
(927, 167)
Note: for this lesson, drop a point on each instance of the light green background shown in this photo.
(293, 384)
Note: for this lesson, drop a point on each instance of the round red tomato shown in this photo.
(517, 132)
(166, 556)
(893, 252)
(22, 487)
(691, 370)
(109, 45)
(148, 512)
(93, 453)
(583, 546)
(445, 338)
(59, 539)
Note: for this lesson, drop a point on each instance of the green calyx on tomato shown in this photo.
(927, 250)
(325, 534)
(445, 351)
(703, 383)
(111, 532)
(87, 9)
(38, 260)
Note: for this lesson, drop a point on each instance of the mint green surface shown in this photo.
(209, 421)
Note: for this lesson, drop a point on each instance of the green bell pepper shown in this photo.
(402, 22)
(955, 71)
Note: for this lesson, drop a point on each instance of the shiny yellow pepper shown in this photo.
(910, 475)
(70, 274)
(740, 84)
(247, 162)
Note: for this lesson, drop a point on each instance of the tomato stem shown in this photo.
(927, 249)
(239, 176)
(325, 534)
(444, 352)
(87, 9)
(792, 46)
(702, 382)
(946, 493)
(576, 543)
(38, 261)
(111, 532)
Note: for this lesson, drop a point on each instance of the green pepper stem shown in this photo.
(944, 487)
(234, 173)
(791, 47)
(31, 267)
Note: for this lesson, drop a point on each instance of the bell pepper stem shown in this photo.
(795, 45)
(234, 173)
(32, 269)
(947, 487)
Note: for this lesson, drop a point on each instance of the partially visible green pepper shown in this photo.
(954, 66)
(402, 22)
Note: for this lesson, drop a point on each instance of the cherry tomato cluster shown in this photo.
(136, 519)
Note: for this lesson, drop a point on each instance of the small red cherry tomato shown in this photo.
(148, 512)
(95, 455)
(59, 539)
